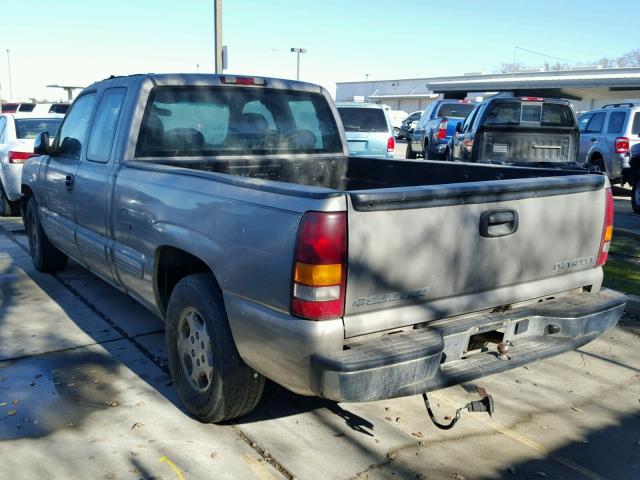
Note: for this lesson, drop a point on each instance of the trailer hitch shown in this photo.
(485, 404)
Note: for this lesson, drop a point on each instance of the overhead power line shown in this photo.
(516, 48)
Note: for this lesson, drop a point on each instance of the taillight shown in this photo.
(532, 99)
(391, 145)
(320, 268)
(607, 228)
(19, 157)
(622, 145)
(442, 129)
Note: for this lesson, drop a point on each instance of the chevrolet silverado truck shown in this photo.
(230, 208)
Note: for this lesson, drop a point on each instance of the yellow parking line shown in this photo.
(531, 444)
(173, 466)
(257, 467)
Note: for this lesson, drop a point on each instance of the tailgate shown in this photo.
(514, 146)
(421, 253)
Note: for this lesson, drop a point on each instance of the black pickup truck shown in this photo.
(524, 131)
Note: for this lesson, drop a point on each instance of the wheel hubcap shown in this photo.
(194, 350)
(33, 230)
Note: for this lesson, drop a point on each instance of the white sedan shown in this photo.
(17, 134)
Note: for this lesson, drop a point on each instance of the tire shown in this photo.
(7, 208)
(410, 154)
(635, 195)
(45, 257)
(396, 132)
(447, 155)
(597, 161)
(220, 386)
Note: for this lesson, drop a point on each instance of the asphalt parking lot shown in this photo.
(84, 393)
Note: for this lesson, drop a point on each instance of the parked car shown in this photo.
(430, 138)
(368, 129)
(230, 207)
(606, 136)
(17, 134)
(395, 118)
(10, 107)
(408, 124)
(632, 176)
(51, 108)
(528, 131)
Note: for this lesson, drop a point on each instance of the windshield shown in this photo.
(544, 114)
(210, 121)
(363, 119)
(30, 128)
(455, 110)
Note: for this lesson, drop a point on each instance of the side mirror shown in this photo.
(459, 127)
(41, 144)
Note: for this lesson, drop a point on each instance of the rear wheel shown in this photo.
(211, 379)
(635, 195)
(597, 161)
(46, 257)
(447, 155)
(410, 154)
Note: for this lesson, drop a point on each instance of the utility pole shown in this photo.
(217, 13)
(298, 51)
(9, 68)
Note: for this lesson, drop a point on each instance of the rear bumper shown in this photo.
(434, 357)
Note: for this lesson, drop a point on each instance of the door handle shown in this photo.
(68, 181)
(594, 139)
(498, 223)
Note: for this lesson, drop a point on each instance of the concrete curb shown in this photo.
(633, 304)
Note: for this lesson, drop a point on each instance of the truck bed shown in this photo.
(360, 173)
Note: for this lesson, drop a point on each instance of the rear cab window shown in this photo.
(545, 114)
(226, 121)
(30, 128)
(455, 110)
(362, 119)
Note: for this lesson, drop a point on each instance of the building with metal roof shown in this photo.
(587, 88)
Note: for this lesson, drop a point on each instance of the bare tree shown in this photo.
(510, 67)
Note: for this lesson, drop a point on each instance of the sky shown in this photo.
(76, 42)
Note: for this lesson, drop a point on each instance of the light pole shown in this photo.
(298, 51)
(9, 68)
(217, 13)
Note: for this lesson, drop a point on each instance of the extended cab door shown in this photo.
(58, 218)
(93, 185)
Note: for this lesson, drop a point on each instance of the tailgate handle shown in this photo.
(498, 223)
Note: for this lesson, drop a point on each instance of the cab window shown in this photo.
(73, 131)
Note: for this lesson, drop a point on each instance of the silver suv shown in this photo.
(607, 135)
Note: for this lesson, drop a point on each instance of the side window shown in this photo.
(616, 122)
(476, 121)
(104, 125)
(257, 107)
(73, 131)
(469, 120)
(596, 123)
(583, 122)
(3, 124)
